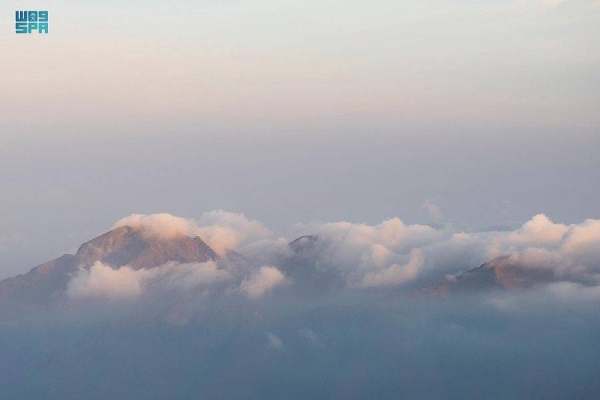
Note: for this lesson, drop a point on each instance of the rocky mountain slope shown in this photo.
(311, 276)
(502, 273)
(121, 246)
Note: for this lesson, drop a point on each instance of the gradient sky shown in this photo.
(478, 112)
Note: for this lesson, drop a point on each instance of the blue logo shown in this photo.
(31, 21)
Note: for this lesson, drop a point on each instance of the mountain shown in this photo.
(306, 266)
(502, 273)
(122, 246)
(304, 244)
(318, 340)
(129, 246)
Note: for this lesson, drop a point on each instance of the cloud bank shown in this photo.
(104, 281)
(265, 279)
(159, 225)
(221, 230)
(386, 255)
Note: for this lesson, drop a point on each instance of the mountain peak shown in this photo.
(131, 246)
(304, 243)
(502, 273)
(121, 246)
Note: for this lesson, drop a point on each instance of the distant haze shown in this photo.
(60, 191)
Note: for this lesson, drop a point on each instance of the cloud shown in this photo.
(103, 281)
(583, 243)
(221, 230)
(539, 230)
(262, 281)
(160, 225)
(393, 253)
(395, 274)
(572, 251)
(391, 233)
(371, 255)
(359, 255)
(267, 249)
(187, 276)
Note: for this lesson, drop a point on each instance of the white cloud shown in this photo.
(186, 276)
(224, 231)
(221, 230)
(264, 249)
(395, 274)
(160, 225)
(583, 243)
(103, 281)
(391, 253)
(386, 254)
(262, 281)
(538, 230)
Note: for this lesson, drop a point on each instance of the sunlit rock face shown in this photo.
(129, 246)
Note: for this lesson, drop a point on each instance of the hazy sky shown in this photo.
(478, 112)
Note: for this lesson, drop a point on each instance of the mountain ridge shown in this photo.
(121, 246)
(502, 273)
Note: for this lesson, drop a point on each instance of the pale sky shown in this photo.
(476, 112)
